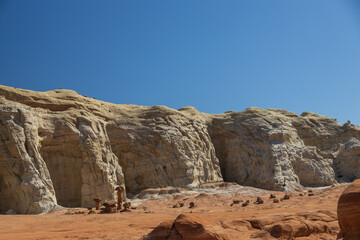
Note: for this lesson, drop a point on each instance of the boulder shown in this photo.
(349, 211)
(185, 227)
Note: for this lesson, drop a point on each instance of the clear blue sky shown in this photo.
(299, 55)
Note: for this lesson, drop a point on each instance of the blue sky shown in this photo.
(301, 55)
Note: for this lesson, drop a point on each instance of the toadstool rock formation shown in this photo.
(110, 207)
(61, 148)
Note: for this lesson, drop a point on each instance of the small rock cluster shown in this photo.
(181, 203)
(111, 206)
(259, 200)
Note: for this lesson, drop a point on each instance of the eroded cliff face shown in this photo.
(277, 149)
(51, 154)
(59, 147)
(163, 147)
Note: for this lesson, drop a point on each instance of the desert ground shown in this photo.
(308, 214)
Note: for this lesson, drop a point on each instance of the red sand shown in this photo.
(214, 209)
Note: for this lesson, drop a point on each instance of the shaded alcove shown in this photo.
(9, 196)
(63, 158)
(220, 139)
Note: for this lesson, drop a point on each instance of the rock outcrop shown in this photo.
(277, 149)
(59, 147)
(304, 225)
(184, 227)
(159, 147)
(349, 211)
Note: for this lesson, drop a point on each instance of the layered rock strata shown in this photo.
(59, 147)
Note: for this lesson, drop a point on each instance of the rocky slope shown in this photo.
(59, 147)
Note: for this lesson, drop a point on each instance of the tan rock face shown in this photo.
(349, 211)
(59, 147)
(277, 149)
(163, 147)
(25, 182)
(51, 156)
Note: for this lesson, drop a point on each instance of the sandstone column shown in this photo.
(97, 203)
(120, 191)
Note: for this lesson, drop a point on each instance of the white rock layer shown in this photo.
(61, 148)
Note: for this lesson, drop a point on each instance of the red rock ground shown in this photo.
(300, 217)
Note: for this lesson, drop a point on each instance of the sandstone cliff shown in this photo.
(59, 147)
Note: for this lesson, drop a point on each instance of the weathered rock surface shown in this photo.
(59, 147)
(185, 227)
(349, 211)
(320, 224)
(302, 225)
(277, 149)
(159, 147)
